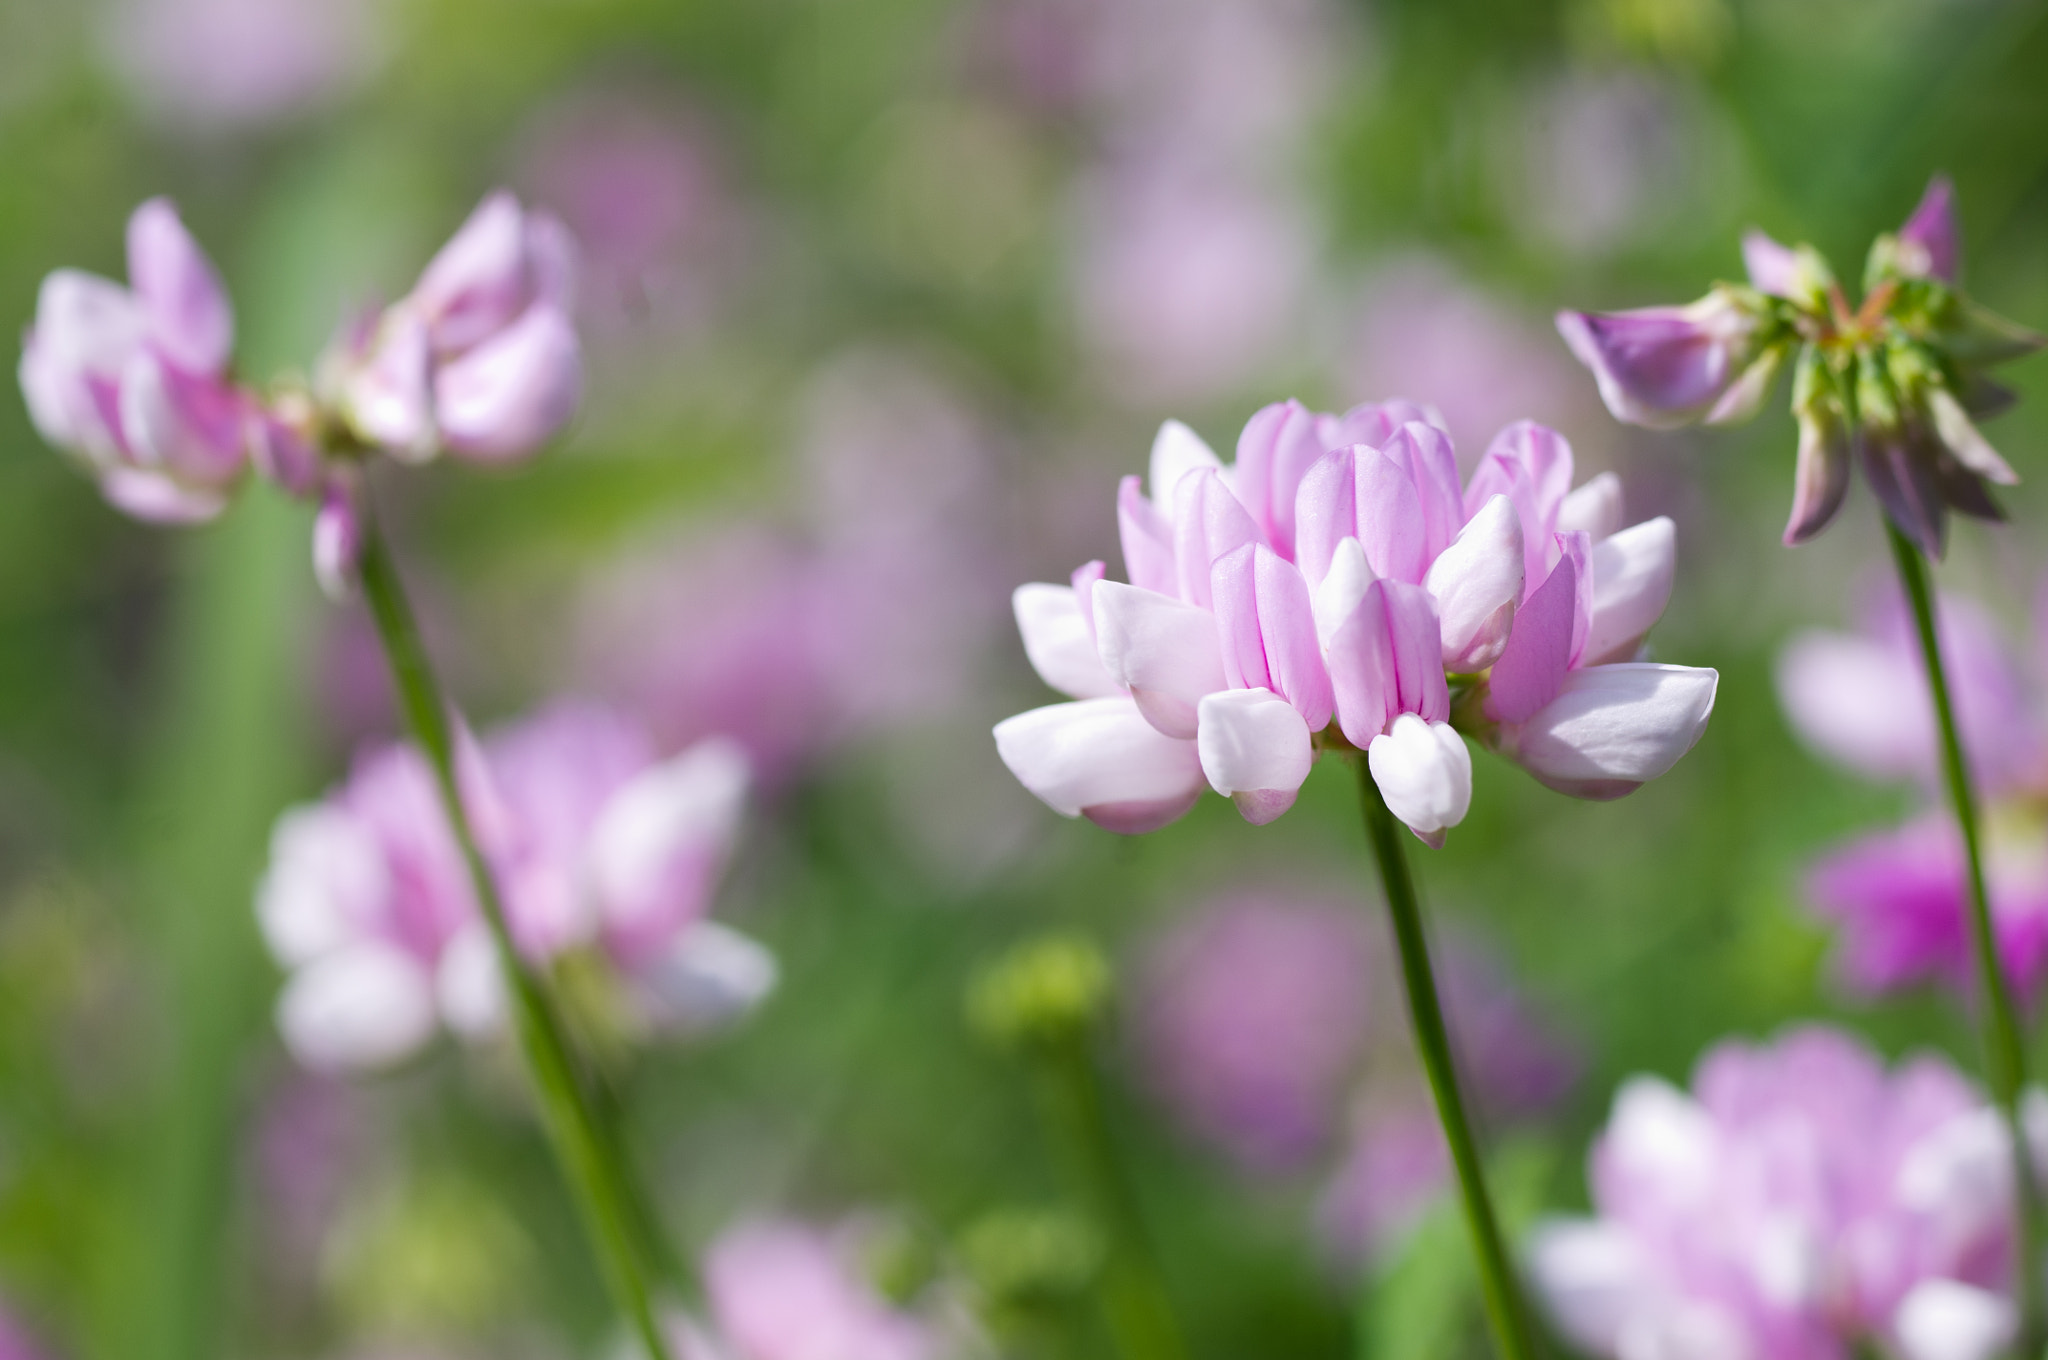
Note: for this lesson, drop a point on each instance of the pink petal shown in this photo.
(190, 317)
(1385, 660)
(511, 394)
(1325, 511)
(1476, 584)
(1611, 729)
(145, 494)
(479, 281)
(1631, 578)
(363, 1007)
(1425, 774)
(1176, 451)
(1659, 367)
(659, 843)
(1424, 452)
(1255, 750)
(1390, 518)
(1594, 506)
(1932, 233)
(1268, 631)
(1101, 758)
(1276, 449)
(1147, 539)
(1166, 653)
(1773, 268)
(192, 428)
(1533, 665)
(1208, 521)
(1060, 640)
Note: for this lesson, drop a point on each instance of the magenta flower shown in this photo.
(597, 846)
(1899, 896)
(480, 358)
(134, 381)
(1325, 591)
(782, 1290)
(1895, 386)
(1801, 1203)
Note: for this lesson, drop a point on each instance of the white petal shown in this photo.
(1095, 753)
(1592, 1277)
(1660, 1137)
(364, 1006)
(1594, 507)
(1476, 584)
(389, 396)
(711, 977)
(470, 986)
(667, 831)
(1255, 750)
(1950, 1320)
(327, 883)
(1612, 728)
(1338, 595)
(1631, 585)
(1176, 451)
(1059, 642)
(1166, 653)
(1425, 774)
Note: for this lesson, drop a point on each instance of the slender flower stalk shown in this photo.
(589, 1152)
(1505, 1312)
(2004, 1051)
(1042, 1001)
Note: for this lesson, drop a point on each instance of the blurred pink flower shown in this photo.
(1799, 1204)
(637, 182)
(782, 1290)
(134, 381)
(481, 358)
(595, 844)
(1189, 284)
(1341, 569)
(1396, 1167)
(1462, 353)
(1900, 896)
(16, 1342)
(220, 63)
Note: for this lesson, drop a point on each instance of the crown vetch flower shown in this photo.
(1338, 586)
(1895, 385)
(1899, 896)
(1799, 1203)
(779, 1289)
(134, 381)
(598, 848)
(481, 358)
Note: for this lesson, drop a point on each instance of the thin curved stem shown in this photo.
(2005, 1059)
(1506, 1313)
(591, 1159)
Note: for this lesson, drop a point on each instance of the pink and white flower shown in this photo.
(1325, 590)
(597, 847)
(778, 1289)
(134, 381)
(481, 358)
(1799, 1203)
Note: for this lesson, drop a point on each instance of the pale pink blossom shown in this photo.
(1338, 576)
(778, 1289)
(480, 359)
(596, 845)
(134, 381)
(244, 63)
(1799, 1203)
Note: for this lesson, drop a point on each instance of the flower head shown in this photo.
(1340, 587)
(1894, 386)
(134, 381)
(600, 850)
(1800, 1202)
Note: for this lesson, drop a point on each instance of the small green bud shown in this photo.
(1030, 1258)
(1045, 991)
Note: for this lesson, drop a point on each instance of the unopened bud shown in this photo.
(1046, 991)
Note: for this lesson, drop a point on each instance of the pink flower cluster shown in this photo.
(598, 848)
(1341, 585)
(778, 1289)
(1900, 896)
(479, 360)
(1800, 1203)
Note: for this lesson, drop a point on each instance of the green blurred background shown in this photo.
(985, 245)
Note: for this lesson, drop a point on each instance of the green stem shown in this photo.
(1505, 1311)
(2005, 1057)
(590, 1158)
(1134, 1298)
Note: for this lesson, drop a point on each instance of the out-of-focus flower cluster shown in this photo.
(1342, 586)
(1268, 1026)
(606, 857)
(1801, 1201)
(1899, 896)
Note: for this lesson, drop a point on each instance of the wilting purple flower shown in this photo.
(219, 63)
(134, 381)
(1900, 897)
(1339, 571)
(596, 845)
(1799, 1204)
(783, 1290)
(1908, 364)
(481, 358)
